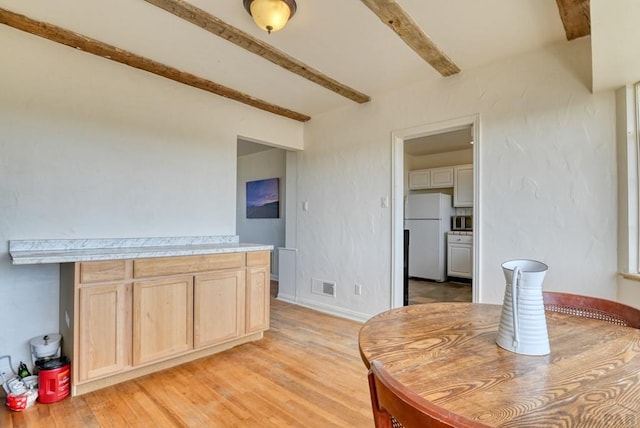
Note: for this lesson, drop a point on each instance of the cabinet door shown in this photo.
(257, 308)
(105, 326)
(419, 179)
(162, 318)
(463, 186)
(218, 308)
(441, 177)
(460, 260)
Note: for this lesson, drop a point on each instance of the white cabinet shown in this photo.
(463, 186)
(433, 178)
(442, 177)
(460, 256)
(419, 179)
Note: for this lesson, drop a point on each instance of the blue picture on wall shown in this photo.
(262, 198)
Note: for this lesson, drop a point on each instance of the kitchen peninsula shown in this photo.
(133, 306)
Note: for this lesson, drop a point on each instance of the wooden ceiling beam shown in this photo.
(244, 40)
(576, 17)
(96, 47)
(390, 12)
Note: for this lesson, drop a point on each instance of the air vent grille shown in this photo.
(323, 287)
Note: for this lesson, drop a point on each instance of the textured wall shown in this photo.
(547, 177)
(94, 149)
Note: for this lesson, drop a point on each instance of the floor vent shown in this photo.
(326, 288)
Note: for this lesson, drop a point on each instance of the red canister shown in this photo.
(54, 380)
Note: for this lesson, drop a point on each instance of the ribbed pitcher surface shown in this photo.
(523, 326)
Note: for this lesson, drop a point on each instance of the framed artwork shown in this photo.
(262, 198)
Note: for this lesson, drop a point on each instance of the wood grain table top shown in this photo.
(446, 353)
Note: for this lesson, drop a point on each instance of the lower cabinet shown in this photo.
(218, 309)
(162, 318)
(105, 326)
(460, 256)
(121, 323)
(258, 282)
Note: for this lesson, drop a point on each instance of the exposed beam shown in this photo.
(238, 37)
(576, 17)
(390, 12)
(96, 47)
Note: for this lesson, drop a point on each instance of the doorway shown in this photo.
(257, 160)
(432, 146)
(260, 162)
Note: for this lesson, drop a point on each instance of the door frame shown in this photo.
(397, 198)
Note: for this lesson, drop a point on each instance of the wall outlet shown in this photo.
(358, 289)
(66, 318)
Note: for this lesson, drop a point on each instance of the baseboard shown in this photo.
(333, 310)
(289, 298)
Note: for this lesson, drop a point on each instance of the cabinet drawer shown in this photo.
(258, 258)
(187, 264)
(460, 239)
(112, 270)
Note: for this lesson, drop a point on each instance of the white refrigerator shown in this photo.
(427, 217)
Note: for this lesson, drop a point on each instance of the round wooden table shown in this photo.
(446, 353)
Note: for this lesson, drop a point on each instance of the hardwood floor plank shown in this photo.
(424, 291)
(305, 372)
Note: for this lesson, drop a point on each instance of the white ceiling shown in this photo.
(341, 38)
(248, 148)
(439, 143)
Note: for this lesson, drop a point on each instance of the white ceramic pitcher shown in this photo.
(523, 326)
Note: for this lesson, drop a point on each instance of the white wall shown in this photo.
(271, 231)
(547, 179)
(94, 149)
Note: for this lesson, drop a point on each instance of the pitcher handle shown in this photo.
(514, 305)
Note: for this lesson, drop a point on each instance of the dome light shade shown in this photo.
(270, 15)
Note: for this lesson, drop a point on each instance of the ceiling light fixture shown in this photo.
(270, 15)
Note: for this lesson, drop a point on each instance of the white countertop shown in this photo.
(461, 232)
(24, 252)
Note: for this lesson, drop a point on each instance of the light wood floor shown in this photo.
(305, 372)
(423, 291)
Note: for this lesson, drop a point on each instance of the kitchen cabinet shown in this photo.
(104, 322)
(463, 186)
(125, 318)
(433, 178)
(162, 318)
(459, 256)
(258, 282)
(441, 177)
(218, 310)
(104, 318)
(419, 179)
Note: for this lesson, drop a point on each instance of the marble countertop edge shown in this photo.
(39, 255)
(104, 243)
